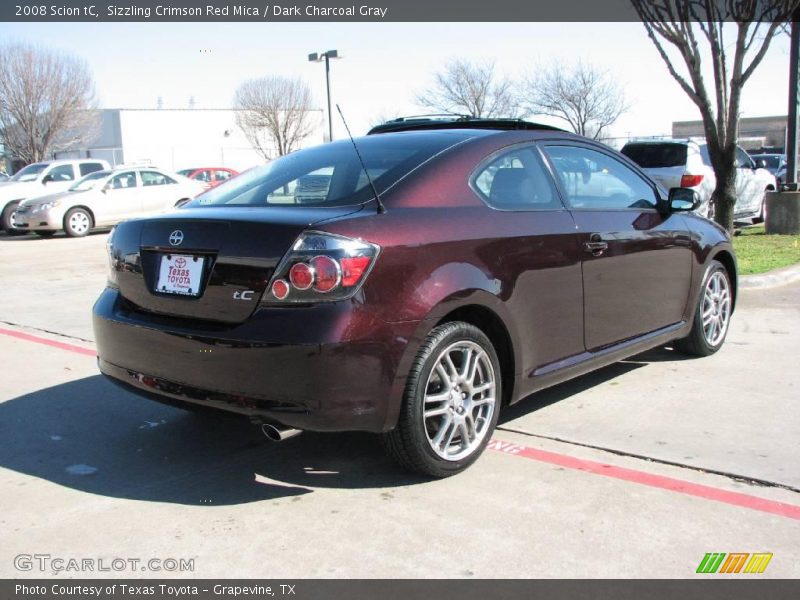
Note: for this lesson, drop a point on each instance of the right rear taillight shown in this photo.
(322, 267)
(688, 181)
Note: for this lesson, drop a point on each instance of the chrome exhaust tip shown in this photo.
(278, 433)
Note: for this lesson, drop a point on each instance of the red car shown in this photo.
(209, 176)
(413, 290)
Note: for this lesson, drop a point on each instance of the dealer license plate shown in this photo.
(180, 274)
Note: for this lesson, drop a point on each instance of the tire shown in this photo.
(716, 303)
(78, 222)
(464, 414)
(762, 213)
(45, 234)
(6, 219)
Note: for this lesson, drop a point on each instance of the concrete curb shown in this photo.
(771, 279)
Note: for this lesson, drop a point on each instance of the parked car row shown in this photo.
(77, 195)
(686, 163)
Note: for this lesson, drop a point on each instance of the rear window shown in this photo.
(654, 156)
(331, 175)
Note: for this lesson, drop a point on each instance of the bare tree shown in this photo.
(687, 32)
(588, 98)
(464, 87)
(275, 114)
(47, 101)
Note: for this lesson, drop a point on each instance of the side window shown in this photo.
(154, 178)
(204, 176)
(517, 180)
(87, 168)
(743, 160)
(595, 180)
(123, 181)
(61, 173)
(222, 175)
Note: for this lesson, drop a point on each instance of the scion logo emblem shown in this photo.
(176, 238)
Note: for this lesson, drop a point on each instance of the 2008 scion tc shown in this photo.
(500, 258)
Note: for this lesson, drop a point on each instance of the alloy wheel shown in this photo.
(459, 400)
(716, 308)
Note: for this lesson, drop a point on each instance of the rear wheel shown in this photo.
(77, 222)
(451, 402)
(762, 213)
(713, 314)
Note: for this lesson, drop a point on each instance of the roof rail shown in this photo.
(450, 121)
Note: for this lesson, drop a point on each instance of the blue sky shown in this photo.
(384, 64)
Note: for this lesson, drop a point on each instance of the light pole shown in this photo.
(326, 56)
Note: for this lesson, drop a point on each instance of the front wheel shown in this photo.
(7, 219)
(77, 222)
(451, 402)
(713, 314)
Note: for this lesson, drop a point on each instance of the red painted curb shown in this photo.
(782, 509)
(48, 342)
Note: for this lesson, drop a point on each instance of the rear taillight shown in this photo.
(688, 181)
(322, 267)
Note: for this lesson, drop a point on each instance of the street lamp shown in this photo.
(326, 56)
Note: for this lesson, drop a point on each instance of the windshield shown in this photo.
(652, 156)
(331, 175)
(90, 181)
(186, 172)
(29, 173)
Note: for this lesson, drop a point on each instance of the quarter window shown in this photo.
(87, 168)
(222, 175)
(517, 180)
(595, 180)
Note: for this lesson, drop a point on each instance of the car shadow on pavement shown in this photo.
(548, 396)
(91, 436)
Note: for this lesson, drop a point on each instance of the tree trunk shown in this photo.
(724, 197)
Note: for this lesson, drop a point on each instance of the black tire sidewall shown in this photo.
(415, 393)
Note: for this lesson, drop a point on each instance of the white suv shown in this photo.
(40, 179)
(686, 163)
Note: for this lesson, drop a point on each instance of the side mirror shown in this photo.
(47, 179)
(683, 200)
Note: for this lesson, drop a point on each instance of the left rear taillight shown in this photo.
(321, 267)
(111, 279)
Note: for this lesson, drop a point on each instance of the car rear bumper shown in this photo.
(333, 368)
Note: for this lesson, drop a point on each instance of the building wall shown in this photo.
(177, 139)
(754, 132)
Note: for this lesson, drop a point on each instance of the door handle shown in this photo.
(595, 246)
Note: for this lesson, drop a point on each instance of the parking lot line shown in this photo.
(48, 342)
(671, 484)
(563, 460)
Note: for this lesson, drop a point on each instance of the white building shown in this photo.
(177, 139)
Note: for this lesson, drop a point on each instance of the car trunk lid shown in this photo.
(207, 263)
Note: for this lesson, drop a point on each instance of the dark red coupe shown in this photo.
(453, 268)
